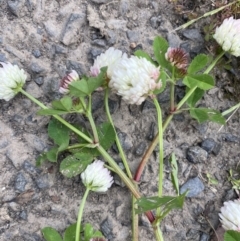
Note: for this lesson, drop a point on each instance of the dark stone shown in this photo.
(93, 53)
(140, 148)
(151, 133)
(3, 143)
(211, 146)
(20, 182)
(23, 215)
(113, 106)
(36, 53)
(230, 195)
(36, 69)
(100, 1)
(39, 80)
(194, 186)
(196, 154)
(204, 237)
(155, 22)
(31, 168)
(99, 42)
(30, 5)
(70, 32)
(60, 49)
(193, 34)
(97, 104)
(133, 35)
(173, 40)
(124, 7)
(111, 37)
(17, 118)
(179, 117)
(231, 138)
(193, 234)
(15, 6)
(106, 229)
(164, 97)
(124, 141)
(42, 182)
(73, 65)
(134, 109)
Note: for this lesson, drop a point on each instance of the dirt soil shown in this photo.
(46, 38)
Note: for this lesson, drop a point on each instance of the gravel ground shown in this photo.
(46, 38)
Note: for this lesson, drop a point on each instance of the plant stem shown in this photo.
(161, 156)
(125, 163)
(172, 90)
(80, 213)
(71, 127)
(226, 112)
(158, 233)
(91, 121)
(167, 121)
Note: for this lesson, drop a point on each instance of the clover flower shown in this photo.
(228, 36)
(134, 79)
(96, 177)
(66, 80)
(108, 59)
(230, 215)
(178, 58)
(12, 80)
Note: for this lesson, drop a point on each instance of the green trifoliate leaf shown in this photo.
(231, 235)
(202, 81)
(70, 233)
(75, 164)
(194, 97)
(59, 133)
(167, 203)
(63, 104)
(198, 63)
(141, 53)
(205, 114)
(50, 234)
(95, 82)
(79, 88)
(160, 46)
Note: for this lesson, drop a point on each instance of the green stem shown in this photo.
(158, 234)
(161, 156)
(226, 112)
(91, 121)
(120, 149)
(80, 213)
(172, 89)
(71, 127)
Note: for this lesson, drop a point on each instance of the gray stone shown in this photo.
(210, 145)
(133, 35)
(106, 228)
(205, 237)
(42, 182)
(36, 53)
(111, 37)
(31, 168)
(99, 42)
(193, 234)
(70, 32)
(36, 69)
(100, 1)
(73, 65)
(196, 154)
(23, 215)
(123, 7)
(124, 140)
(193, 34)
(231, 138)
(194, 186)
(39, 80)
(155, 22)
(3, 58)
(93, 53)
(173, 40)
(113, 106)
(15, 6)
(140, 148)
(20, 182)
(60, 49)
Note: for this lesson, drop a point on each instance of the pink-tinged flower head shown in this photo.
(135, 79)
(12, 80)
(66, 80)
(228, 36)
(178, 58)
(108, 59)
(96, 177)
(230, 215)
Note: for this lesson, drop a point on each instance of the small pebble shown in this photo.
(20, 182)
(196, 154)
(194, 187)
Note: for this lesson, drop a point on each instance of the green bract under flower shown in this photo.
(134, 79)
(230, 215)
(96, 177)
(11, 80)
(228, 36)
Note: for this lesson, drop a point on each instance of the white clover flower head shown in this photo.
(108, 59)
(96, 177)
(228, 36)
(135, 79)
(66, 80)
(12, 79)
(230, 215)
